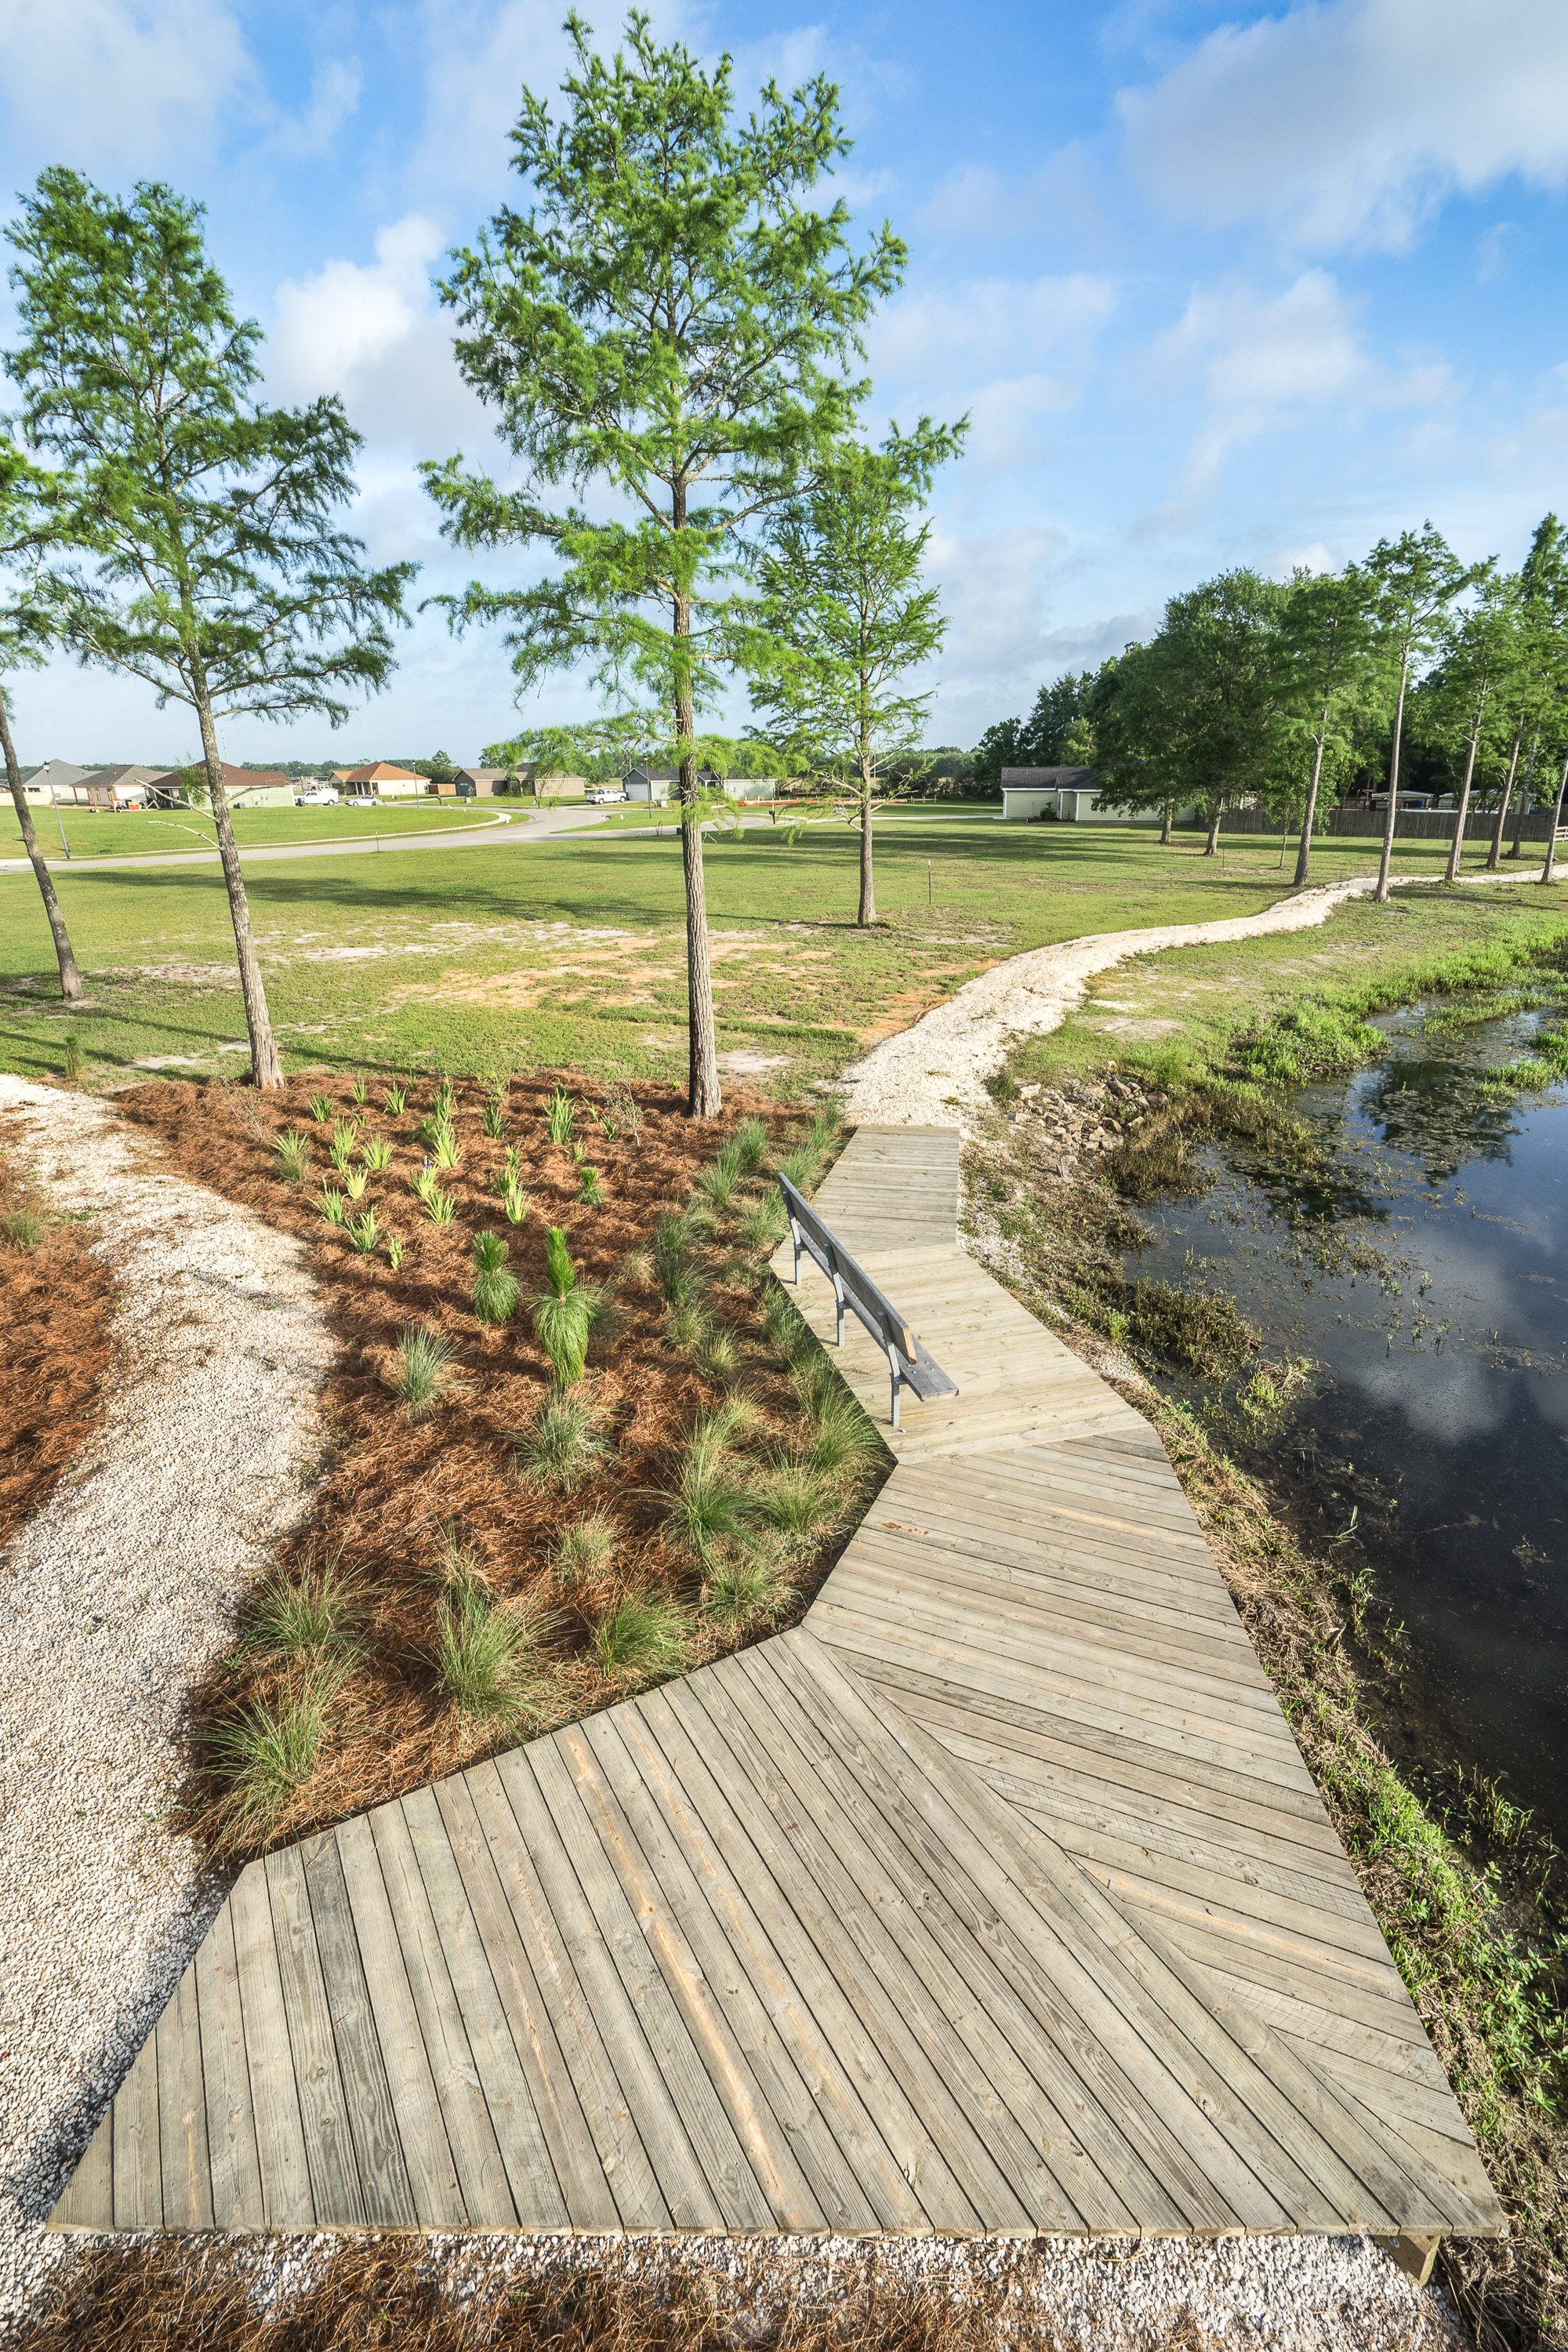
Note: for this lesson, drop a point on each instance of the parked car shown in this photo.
(600, 793)
(316, 796)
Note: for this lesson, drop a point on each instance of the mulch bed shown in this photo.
(398, 1492)
(56, 1305)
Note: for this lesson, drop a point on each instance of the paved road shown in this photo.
(500, 832)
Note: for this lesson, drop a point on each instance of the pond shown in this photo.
(1421, 1270)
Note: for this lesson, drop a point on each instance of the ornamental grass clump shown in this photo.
(332, 1205)
(643, 1637)
(321, 1109)
(558, 1115)
(355, 1182)
(266, 1752)
(563, 1448)
(423, 1371)
(746, 1589)
(495, 1290)
(363, 1231)
(439, 1207)
(293, 1155)
(445, 1148)
(493, 1117)
(375, 1153)
(797, 1498)
(719, 1181)
(672, 1266)
(396, 1099)
(764, 1223)
(565, 1316)
(590, 1191)
(23, 1228)
(584, 1551)
(342, 1144)
(515, 1201)
(712, 1503)
(485, 1655)
(320, 1611)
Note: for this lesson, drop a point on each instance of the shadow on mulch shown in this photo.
(56, 1307)
(396, 1493)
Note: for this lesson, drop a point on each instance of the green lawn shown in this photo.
(571, 950)
(93, 834)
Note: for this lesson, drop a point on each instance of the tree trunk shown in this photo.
(1494, 855)
(1548, 873)
(1457, 850)
(1523, 809)
(704, 1098)
(1169, 816)
(266, 1067)
(868, 913)
(1304, 855)
(71, 979)
(1212, 846)
(1380, 893)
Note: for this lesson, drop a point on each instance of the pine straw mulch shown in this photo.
(56, 1307)
(389, 2293)
(396, 1493)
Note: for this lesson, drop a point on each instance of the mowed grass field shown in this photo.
(513, 953)
(90, 833)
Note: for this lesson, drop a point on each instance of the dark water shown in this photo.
(1427, 1279)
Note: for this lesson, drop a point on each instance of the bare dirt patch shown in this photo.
(56, 1305)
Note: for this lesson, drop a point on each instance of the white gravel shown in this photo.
(116, 1597)
(933, 1074)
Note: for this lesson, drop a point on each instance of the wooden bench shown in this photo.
(907, 1360)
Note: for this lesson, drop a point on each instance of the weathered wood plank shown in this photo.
(335, 2190)
(86, 2201)
(182, 2112)
(235, 2164)
(385, 2189)
(281, 2156)
(137, 2160)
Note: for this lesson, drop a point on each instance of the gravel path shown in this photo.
(116, 1596)
(933, 1074)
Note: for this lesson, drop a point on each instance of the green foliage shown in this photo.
(493, 1119)
(712, 1500)
(424, 1371)
(321, 1109)
(590, 1191)
(584, 1549)
(750, 1144)
(344, 1131)
(293, 1155)
(515, 1201)
(396, 1098)
(642, 1638)
(22, 1228)
(797, 1498)
(559, 1112)
(267, 1750)
(748, 1589)
(73, 1062)
(764, 1223)
(446, 1151)
(395, 1250)
(563, 1445)
(321, 1611)
(332, 1205)
(672, 1264)
(484, 1655)
(495, 1290)
(363, 1231)
(440, 1207)
(376, 1153)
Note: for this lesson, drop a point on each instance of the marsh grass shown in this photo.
(424, 1371)
(562, 1445)
(746, 1587)
(750, 1144)
(798, 1499)
(715, 1353)
(266, 1751)
(396, 1099)
(799, 1166)
(23, 1229)
(484, 1655)
(642, 1638)
(672, 1266)
(318, 1611)
(763, 1224)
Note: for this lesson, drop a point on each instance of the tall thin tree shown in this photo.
(671, 321)
(843, 598)
(31, 500)
(1416, 577)
(211, 565)
(1325, 669)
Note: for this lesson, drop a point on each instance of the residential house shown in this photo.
(116, 788)
(485, 784)
(658, 785)
(54, 783)
(379, 779)
(246, 787)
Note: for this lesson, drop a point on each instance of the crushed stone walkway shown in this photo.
(117, 1597)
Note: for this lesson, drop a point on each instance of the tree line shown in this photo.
(669, 329)
(1289, 694)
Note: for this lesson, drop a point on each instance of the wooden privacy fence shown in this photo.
(1411, 825)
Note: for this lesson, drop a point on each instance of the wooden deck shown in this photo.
(996, 1898)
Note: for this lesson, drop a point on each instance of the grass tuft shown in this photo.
(267, 1751)
(558, 1115)
(748, 1589)
(750, 1145)
(642, 1638)
(319, 1611)
(293, 1155)
(483, 1655)
(584, 1551)
(798, 1499)
(396, 1099)
(563, 1445)
(423, 1373)
(321, 1109)
(495, 1290)
(23, 1228)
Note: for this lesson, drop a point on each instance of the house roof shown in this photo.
(53, 771)
(375, 771)
(236, 779)
(1046, 780)
(483, 775)
(117, 778)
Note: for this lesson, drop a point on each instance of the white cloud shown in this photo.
(1059, 197)
(334, 95)
(1346, 120)
(1009, 351)
(1258, 357)
(122, 84)
(373, 333)
(476, 57)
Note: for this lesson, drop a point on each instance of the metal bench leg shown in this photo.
(894, 1369)
(794, 1236)
(838, 1302)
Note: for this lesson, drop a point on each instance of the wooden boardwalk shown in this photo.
(996, 1898)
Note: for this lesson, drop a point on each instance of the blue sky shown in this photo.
(1214, 288)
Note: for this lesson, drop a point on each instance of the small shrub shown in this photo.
(584, 1551)
(440, 1207)
(293, 1155)
(423, 1369)
(332, 1205)
(355, 1182)
(396, 1099)
(495, 1290)
(750, 1145)
(321, 1109)
(591, 1192)
(493, 1117)
(360, 1090)
(375, 1152)
(566, 1316)
(483, 1655)
(644, 1636)
(23, 1228)
(395, 1250)
(320, 1611)
(563, 1448)
(73, 1056)
(447, 1154)
(344, 1134)
(558, 1115)
(363, 1231)
(515, 1201)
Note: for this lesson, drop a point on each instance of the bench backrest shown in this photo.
(836, 1261)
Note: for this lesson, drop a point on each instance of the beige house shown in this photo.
(379, 779)
(246, 787)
